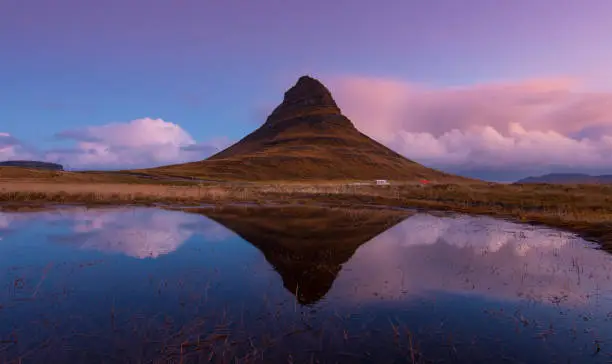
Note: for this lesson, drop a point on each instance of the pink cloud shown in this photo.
(142, 142)
(511, 124)
(11, 148)
(139, 143)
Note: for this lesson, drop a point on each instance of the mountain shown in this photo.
(568, 178)
(307, 246)
(33, 164)
(306, 138)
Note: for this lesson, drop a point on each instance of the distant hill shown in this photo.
(306, 138)
(33, 164)
(568, 178)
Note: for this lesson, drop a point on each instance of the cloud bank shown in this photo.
(138, 143)
(534, 126)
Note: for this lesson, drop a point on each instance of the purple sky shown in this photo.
(493, 89)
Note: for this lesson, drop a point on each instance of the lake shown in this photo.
(297, 285)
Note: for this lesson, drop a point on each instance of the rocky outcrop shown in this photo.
(307, 98)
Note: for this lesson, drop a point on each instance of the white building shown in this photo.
(381, 182)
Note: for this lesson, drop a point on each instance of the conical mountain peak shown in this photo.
(306, 98)
(309, 91)
(307, 138)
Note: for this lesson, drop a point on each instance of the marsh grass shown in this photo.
(584, 209)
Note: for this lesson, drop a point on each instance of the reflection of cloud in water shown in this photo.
(4, 221)
(476, 255)
(136, 232)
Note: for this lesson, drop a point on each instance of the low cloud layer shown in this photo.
(535, 126)
(138, 143)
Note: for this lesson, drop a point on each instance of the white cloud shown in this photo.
(535, 125)
(489, 148)
(12, 149)
(138, 143)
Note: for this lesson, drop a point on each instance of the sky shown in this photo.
(494, 90)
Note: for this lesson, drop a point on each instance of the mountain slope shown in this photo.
(567, 178)
(306, 138)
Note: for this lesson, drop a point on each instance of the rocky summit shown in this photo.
(308, 98)
(306, 137)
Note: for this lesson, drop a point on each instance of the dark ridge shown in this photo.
(567, 178)
(33, 164)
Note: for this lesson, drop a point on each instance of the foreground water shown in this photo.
(297, 285)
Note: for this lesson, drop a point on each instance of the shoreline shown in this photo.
(583, 210)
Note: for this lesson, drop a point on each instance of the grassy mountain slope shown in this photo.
(306, 138)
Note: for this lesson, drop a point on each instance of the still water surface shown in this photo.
(297, 285)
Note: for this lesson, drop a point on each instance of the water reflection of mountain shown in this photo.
(306, 246)
(406, 256)
(313, 248)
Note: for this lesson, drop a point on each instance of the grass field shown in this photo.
(584, 209)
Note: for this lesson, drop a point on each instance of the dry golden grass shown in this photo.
(108, 193)
(584, 209)
(24, 175)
